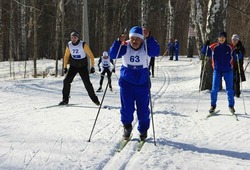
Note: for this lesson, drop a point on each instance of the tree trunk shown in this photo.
(216, 22)
(191, 34)
(144, 13)
(105, 25)
(11, 37)
(23, 32)
(170, 19)
(57, 34)
(1, 33)
(63, 30)
(199, 26)
(35, 39)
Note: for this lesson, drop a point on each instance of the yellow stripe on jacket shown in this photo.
(86, 49)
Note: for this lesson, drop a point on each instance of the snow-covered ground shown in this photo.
(34, 135)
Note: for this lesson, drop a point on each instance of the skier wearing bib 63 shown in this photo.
(134, 79)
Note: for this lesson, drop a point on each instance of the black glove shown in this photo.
(113, 70)
(92, 70)
(65, 70)
(100, 69)
(207, 42)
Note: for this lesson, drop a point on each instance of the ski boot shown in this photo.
(143, 136)
(64, 102)
(212, 109)
(232, 110)
(99, 90)
(127, 131)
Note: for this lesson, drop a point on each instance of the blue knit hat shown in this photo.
(222, 34)
(136, 31)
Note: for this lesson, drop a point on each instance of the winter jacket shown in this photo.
(171, 46)
(135, 75)
(239, 47)
(176, 46)
(68, 59)
(222, 58)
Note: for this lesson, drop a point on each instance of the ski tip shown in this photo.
(88, 140)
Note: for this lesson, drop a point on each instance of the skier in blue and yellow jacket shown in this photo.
(134, 79)
(222, 63)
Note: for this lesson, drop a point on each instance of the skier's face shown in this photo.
(222, 39)
(135, 42)
(74, 39)
(235, 42)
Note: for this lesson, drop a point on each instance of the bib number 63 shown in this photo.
(135, 59)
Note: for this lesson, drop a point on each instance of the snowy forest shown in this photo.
(35, 29)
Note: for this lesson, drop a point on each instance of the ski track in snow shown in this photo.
(126, 160)
(34, 135)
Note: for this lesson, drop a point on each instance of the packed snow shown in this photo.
(36, 134)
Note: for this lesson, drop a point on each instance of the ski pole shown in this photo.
(238, 62)
(98, 112)
(247, 65)
(103, 98)
(202, 77)
(150, 98)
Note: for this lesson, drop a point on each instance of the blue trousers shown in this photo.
(132, 96)
(217, 77)
(176, 55)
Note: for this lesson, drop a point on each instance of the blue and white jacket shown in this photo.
(134, 69)
(222, 56)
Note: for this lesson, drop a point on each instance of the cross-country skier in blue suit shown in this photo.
(134, 77)
(222, 63)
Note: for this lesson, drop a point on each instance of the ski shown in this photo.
(123, 143)
(213, 113)
(57, 105)
(140, 145)
(234, 115)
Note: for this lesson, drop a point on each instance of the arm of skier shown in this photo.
(90, 54)
(66, 57)
(114, 49)
(153, 47)
(206, 51)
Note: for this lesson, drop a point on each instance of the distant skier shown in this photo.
(222, 63)
(105, 67)
(240, 51)
(176, 45)
(76, 54)
(134, 77)
(171, 48)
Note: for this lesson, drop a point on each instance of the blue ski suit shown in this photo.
(134, 80)
(222, 63)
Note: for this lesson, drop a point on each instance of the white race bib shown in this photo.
(77, 52)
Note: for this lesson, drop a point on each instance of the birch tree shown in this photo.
(216, 22)
(169, 15)
(144, 13)
(191, 35)
(199, 25)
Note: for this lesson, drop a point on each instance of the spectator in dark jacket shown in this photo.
(238, 54)
(171, 49)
